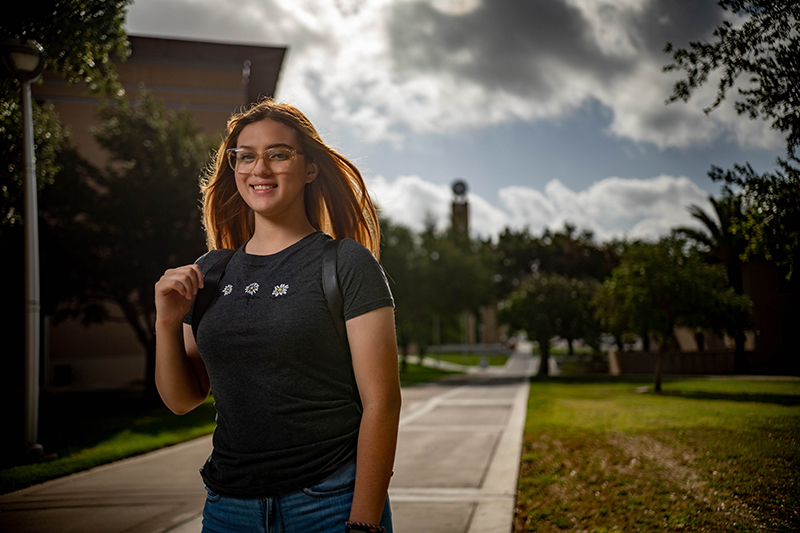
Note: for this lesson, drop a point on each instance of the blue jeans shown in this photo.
(320, 508)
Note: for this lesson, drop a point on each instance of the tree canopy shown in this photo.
(657, 287)
(726, 246)
(763, 49)
(79, 38)
(546, 306)
(49, 137)
(568, 252)
(435, 276)
(109, 233)
(770, 221)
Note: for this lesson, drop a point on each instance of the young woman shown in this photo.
(298, 446)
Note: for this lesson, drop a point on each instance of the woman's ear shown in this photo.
(312, 169)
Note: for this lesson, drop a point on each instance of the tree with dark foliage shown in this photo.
(764, 49)
(658, 287)
(109, 233)
(725, 246)
(79, 38)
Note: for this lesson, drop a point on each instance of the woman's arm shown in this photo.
(374, 350)
(181, 377)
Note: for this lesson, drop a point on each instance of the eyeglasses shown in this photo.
(278, 160)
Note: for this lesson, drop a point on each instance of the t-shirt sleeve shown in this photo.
(362, 280)
(205, 261)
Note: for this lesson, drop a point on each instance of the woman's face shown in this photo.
(273, 194)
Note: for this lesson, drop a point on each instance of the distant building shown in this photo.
(776, 312)
(482, 329)
(460, 207)
(211, 81)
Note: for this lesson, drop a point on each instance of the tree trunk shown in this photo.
(659, 362)
(741, 365)
(544, 365)
(150, 390)
(146, 336)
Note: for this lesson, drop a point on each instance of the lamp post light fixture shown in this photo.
(25, 60)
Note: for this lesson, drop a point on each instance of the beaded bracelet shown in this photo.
(361, 526)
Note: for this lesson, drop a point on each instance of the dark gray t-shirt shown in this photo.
(282, 383)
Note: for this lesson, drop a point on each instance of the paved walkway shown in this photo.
(456, 469)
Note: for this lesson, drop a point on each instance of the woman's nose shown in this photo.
(262, 166)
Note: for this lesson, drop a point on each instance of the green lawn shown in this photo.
(471, 359)
(91, 429)
(706, 455)
(414, 374)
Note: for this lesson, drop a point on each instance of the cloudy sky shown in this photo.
(552, 111)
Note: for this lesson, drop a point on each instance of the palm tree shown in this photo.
(724, 246)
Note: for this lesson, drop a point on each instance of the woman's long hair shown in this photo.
(336, 202)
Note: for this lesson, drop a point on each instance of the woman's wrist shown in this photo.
(168, 325)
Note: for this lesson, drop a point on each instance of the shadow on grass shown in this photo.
(788, 400)
(71, 422)
(411, 374)
(83, 430)
(85, 419)
(594, 378)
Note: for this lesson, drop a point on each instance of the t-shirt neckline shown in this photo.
(255, 258)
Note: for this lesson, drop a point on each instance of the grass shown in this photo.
(415, 374)
(471, 359)
(706, 455)
(562, 350)
(92, 429)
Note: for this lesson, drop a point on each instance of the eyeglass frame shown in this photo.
(262, 155)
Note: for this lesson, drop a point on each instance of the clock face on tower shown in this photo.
(459, 188)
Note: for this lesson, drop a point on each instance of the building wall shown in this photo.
(208, 79)
(776, 310)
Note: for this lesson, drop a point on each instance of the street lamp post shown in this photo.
(26, 62)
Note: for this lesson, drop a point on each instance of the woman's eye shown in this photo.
(278, 155)
(246, 157)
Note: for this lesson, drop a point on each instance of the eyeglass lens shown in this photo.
(278, 160)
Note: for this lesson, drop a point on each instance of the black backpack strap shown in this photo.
(333, 295)
(206, 295)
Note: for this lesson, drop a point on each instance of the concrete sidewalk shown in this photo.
(456, 470)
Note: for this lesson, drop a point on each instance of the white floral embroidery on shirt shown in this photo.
(227, 290)
(280, 290)
(252, 288)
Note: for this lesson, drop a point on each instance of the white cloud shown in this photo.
(431, 67)
(411, 201)
(387, 67)
(612, 207)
